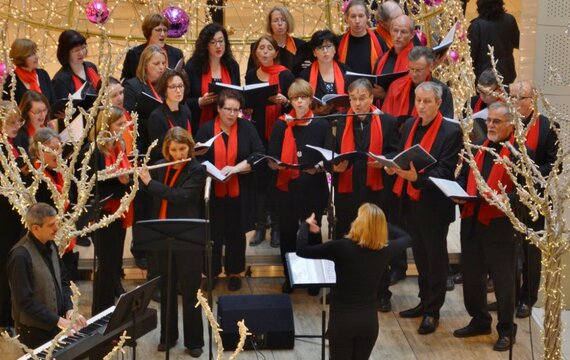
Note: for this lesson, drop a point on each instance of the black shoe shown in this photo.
(258, 238)
(234, 283)
(156, 296)
(450, 285)
(523, 311)
(504, 343)
(162, 347)
(428, 325)
(413, 312)
(492, 306)
(286, 288)
(471, 330)
(205, 283)
(83, 241)
(141, 262)
(313, 291)
(396, 276)
(275, 236)
(384, 304)
(195, 352)
(458, 278)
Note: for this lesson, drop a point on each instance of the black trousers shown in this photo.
(33, 337)
(429, 246)
(108, 244)
(227, 231)
(187, 273)
(481, 253)
(352, 334)
(528, 282)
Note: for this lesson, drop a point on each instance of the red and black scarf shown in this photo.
(272, 111)
(30, 78)
(289, 150)
(375, 48)
(113, 204)
(92, 76)
(402, 60)
(427, 143)
(373, 175)
(338, 77)
(226, 156)
(397, 100)
(497, 175)
(207, 112)
(164, 202)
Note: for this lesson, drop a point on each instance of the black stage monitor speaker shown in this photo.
(269, 319)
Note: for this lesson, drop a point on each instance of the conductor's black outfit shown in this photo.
(353, 322)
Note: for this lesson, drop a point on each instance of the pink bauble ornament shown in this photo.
(178, 19)
(97, 12)
(453, 56)
(3, 71)
(433, 2)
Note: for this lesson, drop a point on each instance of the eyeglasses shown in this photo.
(176, 87)
(39, 112)
(495, 122)
(220, 42)
(299, 97)
(326, 47)
(231, 110)
(79, 49)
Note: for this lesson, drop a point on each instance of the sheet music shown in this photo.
(74, 131)
(304, 272)
(451, 189)
(208, 143)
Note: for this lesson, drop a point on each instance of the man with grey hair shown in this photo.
(399, 100)
(41, 296)
(487, 237)
(420, 200)
(386, 12)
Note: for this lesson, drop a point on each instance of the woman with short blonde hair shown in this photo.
(359, 258)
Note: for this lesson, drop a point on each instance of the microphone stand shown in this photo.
(207, 191)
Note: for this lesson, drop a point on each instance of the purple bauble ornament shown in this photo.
(178, 19)
(453, 56)
(433, 2)
(97, 12)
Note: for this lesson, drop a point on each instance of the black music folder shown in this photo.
(415, 154)
(255, 95)
(383, 80)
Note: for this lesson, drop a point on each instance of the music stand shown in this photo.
(168, 235)
(133, 304)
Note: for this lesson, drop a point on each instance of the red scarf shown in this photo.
(31, 130)
(29, 78)
(497, 175)
(338, 77)
(427, 143)
(226, 156)
(188, 124)
(14, 150)
(402, 60)
(384, 34)
(375, 48)
(164, 202)
(154, 92)
(91, 75)
(272, 111)
(289, 150)
(397, 100)
(114, 203)
(532, 135)
(373, 176)
(478, 105)
(208, 111)
(290, 45)
(128, 135)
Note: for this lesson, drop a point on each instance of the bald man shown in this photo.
(386, 12)
(543, 142)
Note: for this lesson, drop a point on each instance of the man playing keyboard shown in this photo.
(41, 296)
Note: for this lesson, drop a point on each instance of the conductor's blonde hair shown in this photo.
(369, 229)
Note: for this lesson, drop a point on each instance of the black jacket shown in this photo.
(134, 54)
(63, 83)
(503, 34)
(45, 85)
